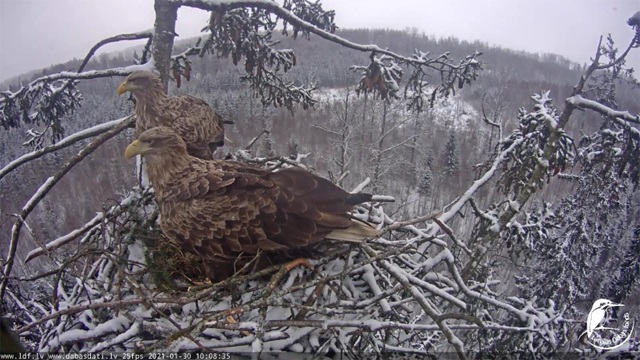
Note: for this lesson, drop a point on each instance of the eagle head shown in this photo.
(159, 140)
(139, 82)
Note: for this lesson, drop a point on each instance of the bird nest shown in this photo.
(129, 290)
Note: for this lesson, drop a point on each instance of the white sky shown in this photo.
(38, 33)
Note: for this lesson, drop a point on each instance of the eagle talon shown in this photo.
(287, 268)
(298, 262)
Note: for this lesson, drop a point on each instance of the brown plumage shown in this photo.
(227, 211)
(191, 118)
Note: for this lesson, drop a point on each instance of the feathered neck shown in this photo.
(151, 97)
(162, 168)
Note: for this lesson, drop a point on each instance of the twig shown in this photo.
(68, 141)
(44, 189)
(447, 230)
(181, 331)
(422, 301)
(69, 75)
(55, 244)
(253, 141)
(291, 18)
(400, 224)
(363, 324)
(122, 37)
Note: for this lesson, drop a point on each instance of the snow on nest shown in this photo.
(352, 296)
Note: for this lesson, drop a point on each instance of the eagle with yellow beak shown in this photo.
(191, 118)
(227, 212)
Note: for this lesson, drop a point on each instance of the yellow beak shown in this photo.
(135, 148)
(122, 88)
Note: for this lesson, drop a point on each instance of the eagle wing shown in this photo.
(197, 123)
(222, 214)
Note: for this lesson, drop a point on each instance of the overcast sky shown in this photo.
(38, 33)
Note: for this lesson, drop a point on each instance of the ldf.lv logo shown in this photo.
(606, 338)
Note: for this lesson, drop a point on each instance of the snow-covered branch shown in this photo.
(381, 76)
(66, 142)
(55, 95)
(621, 116)
(277, 9)
(48, 99)
(122, 37)
(52, 245)
(457, 206)
(421, 299)
(71, 75)
(44, 189)
(595, 65)
(191, 51)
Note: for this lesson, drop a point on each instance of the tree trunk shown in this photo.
(344, 146)
(163, 34)
(378, 165)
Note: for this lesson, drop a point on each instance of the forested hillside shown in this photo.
(498, 215)
(450, 138)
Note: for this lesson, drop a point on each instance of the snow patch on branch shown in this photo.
(622, 117)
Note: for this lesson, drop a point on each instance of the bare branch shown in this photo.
(66, 142)
(478, 183)
(256, 138)
(44, 189)
(489, 122)
(52, 245)
(69, 75)
(401, 277)
(122, 37)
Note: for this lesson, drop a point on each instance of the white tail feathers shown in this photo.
(357, 232)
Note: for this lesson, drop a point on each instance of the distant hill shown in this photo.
(540, 67)
(328, 64)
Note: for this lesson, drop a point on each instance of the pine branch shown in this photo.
(280, 11)
(53, 102)
(230, 19)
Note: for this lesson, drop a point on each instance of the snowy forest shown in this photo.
(504, 190)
